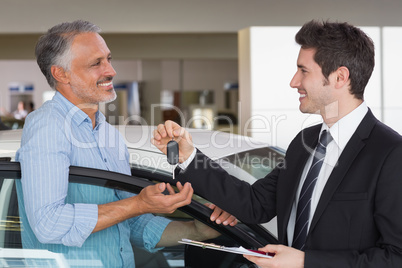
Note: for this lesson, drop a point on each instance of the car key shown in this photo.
(172, 153)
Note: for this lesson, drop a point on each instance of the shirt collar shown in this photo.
(100, 119)
(343, 130)
(76, 114)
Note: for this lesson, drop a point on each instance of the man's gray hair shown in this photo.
(54, 47)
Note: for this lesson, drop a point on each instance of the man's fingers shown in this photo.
(188, 190)
(183, 197)
(216, 213)
(161, 130)
(221, 216)
(271, 248)
(161, 187)
(179, 186)
(181, 134)
(156, 135)
(170, 189)
(154, 201)
(232, 221)
(170, 127)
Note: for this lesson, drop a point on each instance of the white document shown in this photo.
(236, 250)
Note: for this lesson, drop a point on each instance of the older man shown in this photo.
(83, 221)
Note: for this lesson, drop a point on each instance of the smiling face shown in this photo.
(315, 91)
(91, 73)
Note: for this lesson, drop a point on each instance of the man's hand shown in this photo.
(152, 200)
(220, 216)
(165, 132)
(285, 257)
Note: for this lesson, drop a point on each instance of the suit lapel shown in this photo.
(352, 149)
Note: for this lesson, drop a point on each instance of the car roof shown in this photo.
(215, 144)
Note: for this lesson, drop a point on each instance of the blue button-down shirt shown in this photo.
(63, 215)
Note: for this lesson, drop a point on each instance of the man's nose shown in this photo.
(110, 71)
(295, 82)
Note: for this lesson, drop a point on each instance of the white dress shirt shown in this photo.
(341, 133)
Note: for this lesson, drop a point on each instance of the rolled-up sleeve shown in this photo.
(146, 231)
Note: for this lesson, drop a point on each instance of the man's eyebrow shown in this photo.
(300, 66)
(101, 58)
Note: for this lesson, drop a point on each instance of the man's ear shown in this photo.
(59, 74)
(342, 77)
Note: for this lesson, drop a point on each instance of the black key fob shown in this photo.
(172, 152)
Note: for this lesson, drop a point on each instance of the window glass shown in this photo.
(258, 162)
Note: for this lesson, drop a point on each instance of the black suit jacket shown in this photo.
(358, 220)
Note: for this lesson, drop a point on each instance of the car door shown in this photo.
(12, 253)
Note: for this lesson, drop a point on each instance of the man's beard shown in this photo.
(91, 95)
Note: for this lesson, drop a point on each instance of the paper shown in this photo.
(236, 250)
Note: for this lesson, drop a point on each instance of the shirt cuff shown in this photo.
(185, 164)
(85, 219)
(153, 232)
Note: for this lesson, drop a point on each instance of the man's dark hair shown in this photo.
(53, 48)
(340, 44)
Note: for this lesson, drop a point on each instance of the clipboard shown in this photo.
(235, 250)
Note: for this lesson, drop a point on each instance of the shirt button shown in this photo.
(121, 249)
(105, 160)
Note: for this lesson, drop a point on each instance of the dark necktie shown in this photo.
(303, 206)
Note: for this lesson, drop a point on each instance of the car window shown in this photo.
(13, 253)
(258, 162)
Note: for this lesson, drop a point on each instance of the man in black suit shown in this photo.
(351, 180)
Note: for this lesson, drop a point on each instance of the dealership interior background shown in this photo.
(231, 60)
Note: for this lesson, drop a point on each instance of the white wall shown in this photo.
(392, 58)
(268, 104)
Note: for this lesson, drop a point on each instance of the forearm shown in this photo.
(176, 230)
(115, 212)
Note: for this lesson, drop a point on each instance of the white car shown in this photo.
(241, 156)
